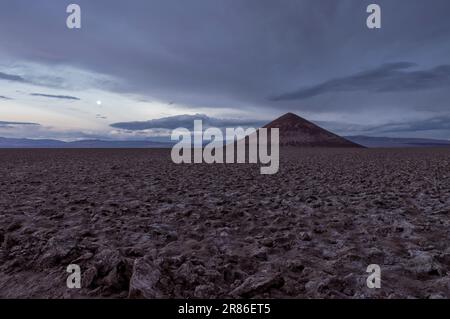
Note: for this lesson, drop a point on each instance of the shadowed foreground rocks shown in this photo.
(140, 226)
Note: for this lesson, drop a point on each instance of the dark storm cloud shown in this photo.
(422, 127)
(391, 77)
(11, 77)
(186, 121)
(7, 124)
(431, 124)
(5, 98)
(44, 81)
(51, 96)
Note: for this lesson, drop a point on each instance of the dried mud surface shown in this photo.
(140, 226)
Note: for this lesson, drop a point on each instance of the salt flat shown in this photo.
(140, 226)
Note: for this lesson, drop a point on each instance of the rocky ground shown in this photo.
(140, 226)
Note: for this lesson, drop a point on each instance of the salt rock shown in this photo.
(89, 276)
(423, 263)
(205, 291)
(145, 279)
(56, 250)
(260, 254)
(258, 284)
(107, 260)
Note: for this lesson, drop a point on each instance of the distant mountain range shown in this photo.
(294, 131)
(48, 143)
(369, 141)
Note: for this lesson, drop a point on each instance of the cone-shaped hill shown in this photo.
(296, 131)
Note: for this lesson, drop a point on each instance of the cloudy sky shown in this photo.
(138, 68)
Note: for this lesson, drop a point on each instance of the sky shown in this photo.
(140, 68)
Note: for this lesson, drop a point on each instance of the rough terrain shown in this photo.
(140, 226)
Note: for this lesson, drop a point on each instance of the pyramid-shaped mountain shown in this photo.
(296, 131)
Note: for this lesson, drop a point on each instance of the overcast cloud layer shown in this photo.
(253, 58)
